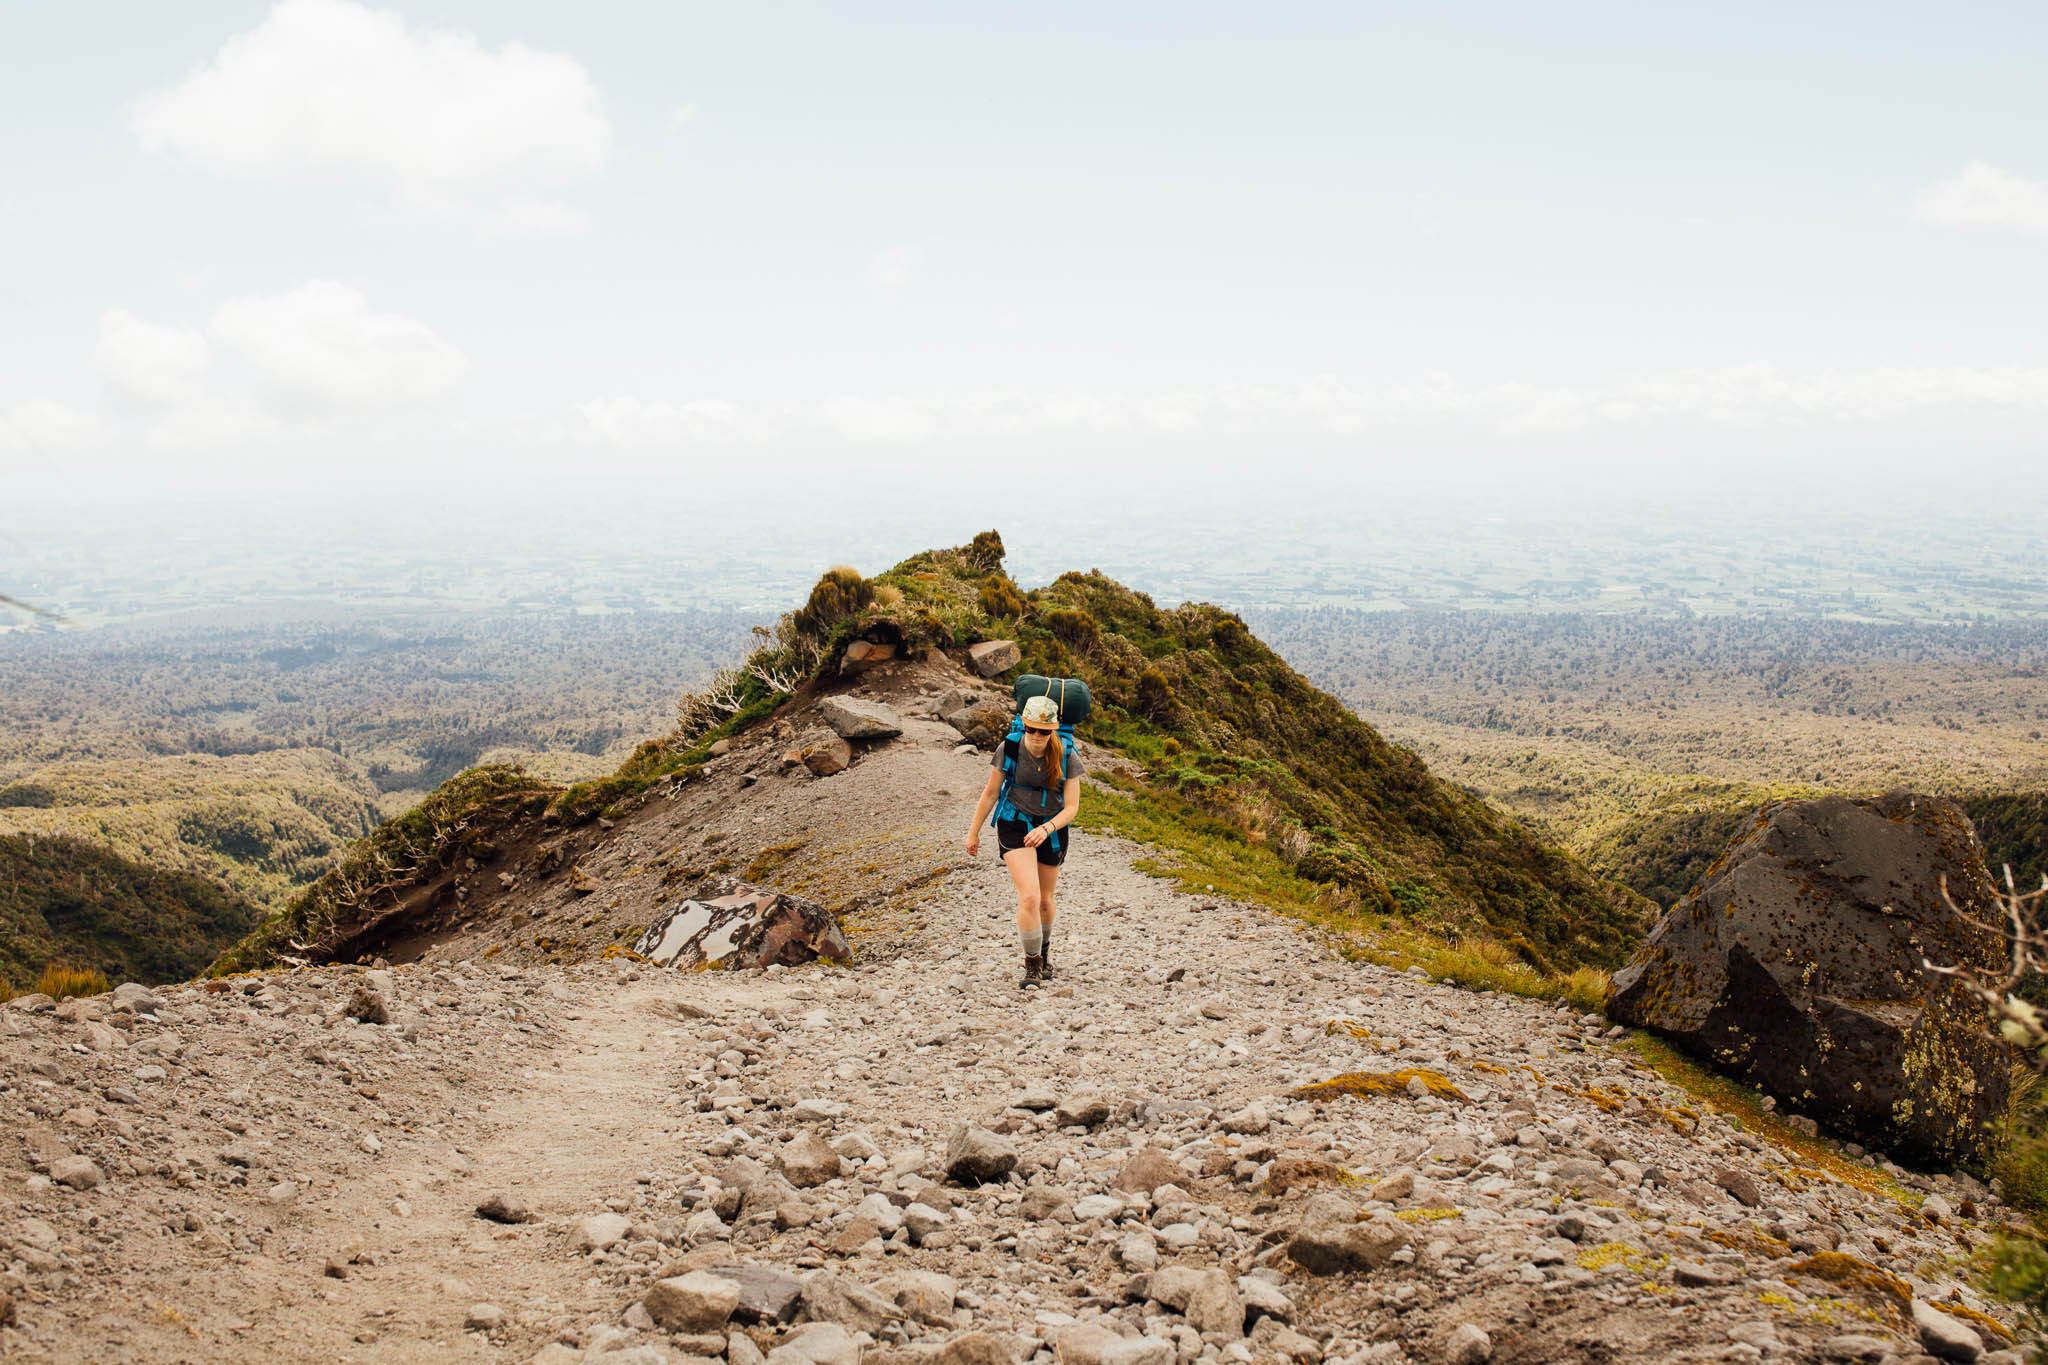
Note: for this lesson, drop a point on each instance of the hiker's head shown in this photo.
(1041, 719)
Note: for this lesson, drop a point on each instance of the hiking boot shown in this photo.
(1045, 960)
(1034, 972)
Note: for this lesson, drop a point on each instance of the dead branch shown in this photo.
(2026, 952)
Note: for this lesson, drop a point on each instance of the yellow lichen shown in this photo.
(1427, 1215)
(1983, 1320)
(1634, 1259)
(1851, 1272)
(1377, 1083)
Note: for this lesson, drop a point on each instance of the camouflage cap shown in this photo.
(1042, 713)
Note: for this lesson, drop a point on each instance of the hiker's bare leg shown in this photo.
(1023, 866)
(1047, 878)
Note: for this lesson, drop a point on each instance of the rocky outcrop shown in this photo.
(1797, 964)
(745, 926)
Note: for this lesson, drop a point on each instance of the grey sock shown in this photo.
(1034, 943)
(1045, 932)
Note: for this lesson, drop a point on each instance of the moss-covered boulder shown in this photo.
(1798, 965)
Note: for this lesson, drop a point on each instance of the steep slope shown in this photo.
(1200, 715)
(70, 903)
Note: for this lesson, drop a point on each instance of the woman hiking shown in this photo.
(1038, 801)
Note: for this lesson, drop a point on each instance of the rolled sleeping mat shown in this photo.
(1070, 693)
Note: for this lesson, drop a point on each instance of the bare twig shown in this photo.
(2026, 953)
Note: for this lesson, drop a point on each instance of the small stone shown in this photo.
(860, 718)
(1036, 1098)
(923, 1220)
(1138, 1253)
(1943, 1336)
(582, 883)
(1264, 1300)
(833, 1299)
(1739, 1184)
(1147, 1170)
(741, 1350)
(504, 1208)
(1248, 1121)
(1215, 1007)
(974, 1155)
(1855, 1346)
(924, 1295)
(767, 1296)
(284, 1191)
(366, 1006)
(1332, 1240)
(599, 1231)
(828, 756)
(79, 1172)
(1694, 1275)
(1082, 1111)
(1392, 1190)
(1937, 1208)
(809, 1161)
(484, 1317)
(991, 657)
(697, 1302)
(1468, 1345)
(1088, 1208)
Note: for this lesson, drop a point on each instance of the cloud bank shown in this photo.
(331, 91)
(1981, 196)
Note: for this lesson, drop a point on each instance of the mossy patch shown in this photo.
(1364, 1083)
(1850, 1272)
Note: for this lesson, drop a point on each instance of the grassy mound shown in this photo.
(63, 901)
(1272, 785)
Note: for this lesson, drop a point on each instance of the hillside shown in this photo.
(535, 1151)
(1211, 729)
(67, 902)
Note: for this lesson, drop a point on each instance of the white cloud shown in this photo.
(1981, 196)
(683, 116)
(328, 89)
(148, 364)
(319, 349)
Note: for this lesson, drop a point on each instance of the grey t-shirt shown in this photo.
(1026, 792)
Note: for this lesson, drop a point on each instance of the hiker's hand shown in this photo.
(1035, 837)
(974, 843)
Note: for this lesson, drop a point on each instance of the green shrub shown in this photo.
(839, 595)
(1000, 598)
(1075, 628)
(1156, 697)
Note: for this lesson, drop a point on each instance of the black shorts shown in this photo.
(1010, 835)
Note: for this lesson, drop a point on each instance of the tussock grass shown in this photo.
(62, 982)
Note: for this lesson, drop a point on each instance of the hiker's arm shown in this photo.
(982, 807)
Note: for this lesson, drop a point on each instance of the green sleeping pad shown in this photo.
(1070, 693)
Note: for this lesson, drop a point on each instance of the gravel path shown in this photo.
(919, 1158)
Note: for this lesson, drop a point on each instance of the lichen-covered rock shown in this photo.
(1797, 965)
(744, 926)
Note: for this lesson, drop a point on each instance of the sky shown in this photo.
(244, 241)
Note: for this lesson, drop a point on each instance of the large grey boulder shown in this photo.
(738, 924)
(1797, 965)
(860, 718)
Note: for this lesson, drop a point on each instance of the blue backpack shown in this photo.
(1004, 809)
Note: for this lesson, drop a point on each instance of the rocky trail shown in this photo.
(474, 1157)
